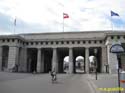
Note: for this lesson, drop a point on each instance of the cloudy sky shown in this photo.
(37, 16)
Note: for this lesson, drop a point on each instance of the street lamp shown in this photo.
(117, 49)
(95, 52)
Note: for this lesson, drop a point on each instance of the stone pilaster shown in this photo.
(0, 58)
(23, 60)
(42, 61)
(39, 60)
(13, 56)
(87, 59)
(104, 59)
(112, 60)
(54, 60)
(70, 60)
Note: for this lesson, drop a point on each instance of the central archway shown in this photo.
(80, 64)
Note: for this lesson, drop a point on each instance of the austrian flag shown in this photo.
(65, 15)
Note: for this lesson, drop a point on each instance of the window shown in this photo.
(13, 40)
(100, 41)
(46, 42)
(36, 43)
(3, 40)
(67, 42)
(27, 43)
(112, 37)
(73, 42)
(89, 42)
(31, 43)
(56, 42)
(62, 42)
(51, 42)
(124, 37)
(78, 42)
(118, 37)
(84, 42)
(41, 43)
(8, 40)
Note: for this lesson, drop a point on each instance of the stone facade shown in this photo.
(45, 51)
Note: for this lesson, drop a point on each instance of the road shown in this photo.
(41, 83)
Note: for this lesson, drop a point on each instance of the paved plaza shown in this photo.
(66, 83)
(41, 83)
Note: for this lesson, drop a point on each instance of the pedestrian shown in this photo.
(53, 75)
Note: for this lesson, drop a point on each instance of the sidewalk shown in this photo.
(105, 83)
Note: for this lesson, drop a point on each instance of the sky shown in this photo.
(40, 16)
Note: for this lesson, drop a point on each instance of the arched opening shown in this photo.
(5, 52)
(80, 64)
(96, 52)
(66, 64)
(92, 64)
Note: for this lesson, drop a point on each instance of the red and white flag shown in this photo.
(65, 15)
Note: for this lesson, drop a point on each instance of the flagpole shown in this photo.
(63, 22)
(111, 24)
(14, 29)
(14, 26)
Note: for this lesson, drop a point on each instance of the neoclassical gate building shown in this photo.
(45, 51)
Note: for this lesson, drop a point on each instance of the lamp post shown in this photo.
(95, 52)
(117, 49)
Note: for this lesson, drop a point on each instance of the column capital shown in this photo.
(70, 47)
(15, 46)
(39, 48)
(54, 48)
(103, 46)
(87, 47)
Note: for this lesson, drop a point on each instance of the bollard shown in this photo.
(122, 79)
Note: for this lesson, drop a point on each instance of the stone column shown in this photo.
(0, 58)
(104, 59)
(70, 60)
(39, 60)
(87, 59)
(13, 57)
(54, 60)
(112, 60)
(23, 60)
(42, 61)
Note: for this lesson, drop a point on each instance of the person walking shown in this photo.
(53, 75)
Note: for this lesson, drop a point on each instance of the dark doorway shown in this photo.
(32, 60)
(47, 59)
(5, 52)
(62, 53)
